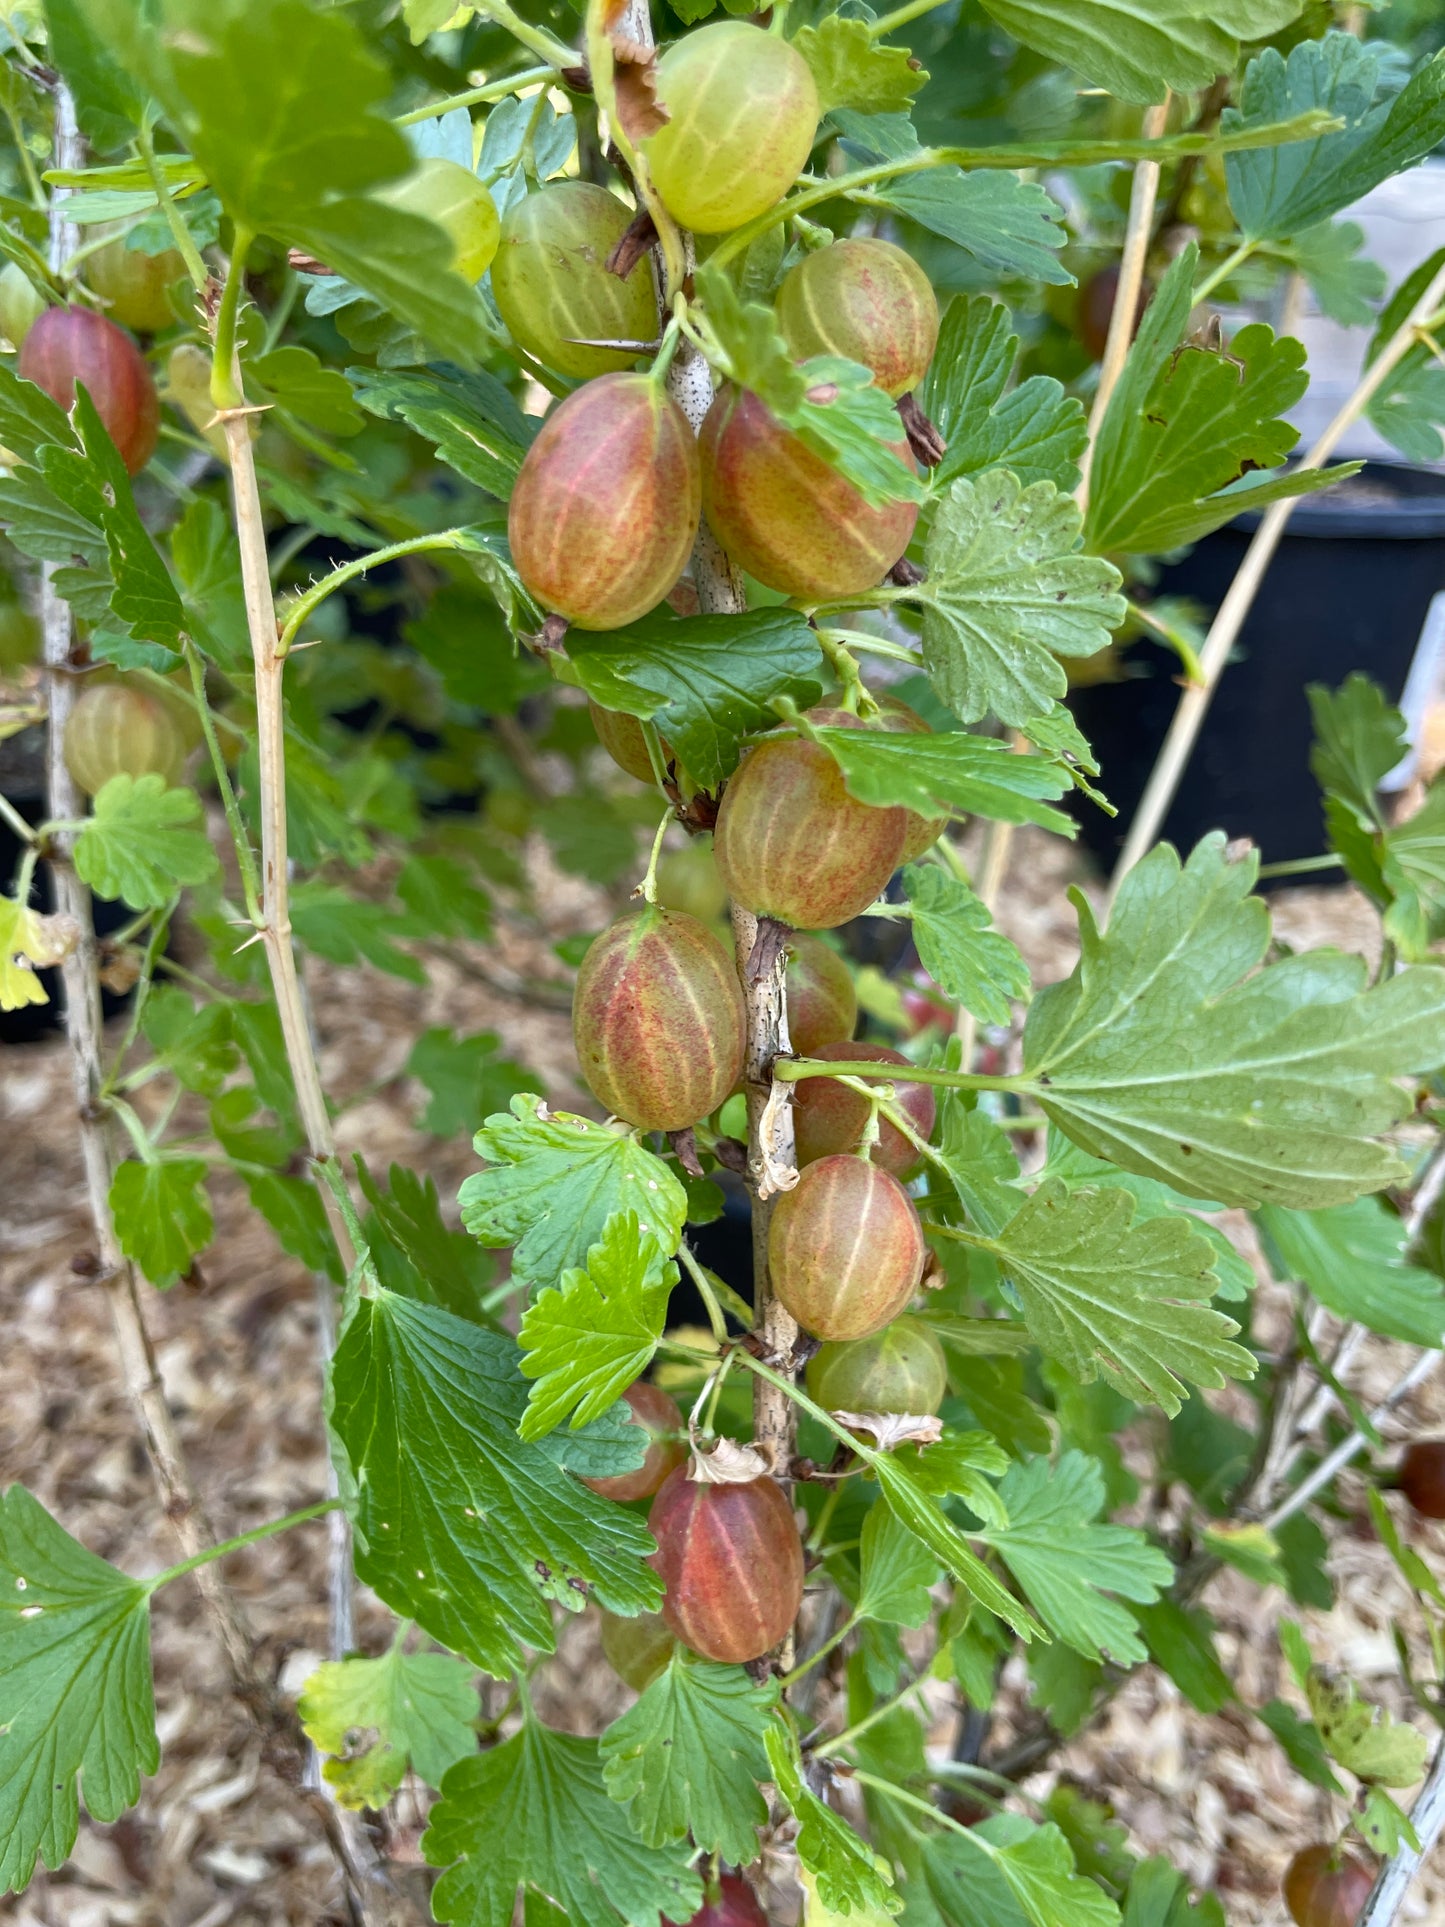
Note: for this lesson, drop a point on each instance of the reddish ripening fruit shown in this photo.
(900, 1369)
(118, 730)
(822, 1002)
(730, 1903)
(1324, 1889)
(70, 344)
(604, 512)
(829, 1119)
(845, 1249)
(551, 283)
(658, 1019)
(742, 110)
(1096, 309)
(784, 515)
(790, 841)
(636, 1649)
(867, 301)
(136, 286)
(732, 1562)
(1422, 1477)
(899, 720)
(659, 1417)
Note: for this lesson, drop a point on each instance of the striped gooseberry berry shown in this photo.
(742, 111)
(732, 1564)
(899, 1369)
(658, 1019)
(865, 300)
(636, 1649)
(729, 1902)
(117, 729)
(787, 517)
(1422, 1477)
(66, 345)
(659, 1417)
(845, 1249)
(822, 1001)
(136, 287)
(829, 1119)
(551, 283)
(1326, 1887)
(452, 197)
(604, 512)
(790, 841)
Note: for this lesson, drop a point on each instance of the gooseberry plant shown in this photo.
(663, 378)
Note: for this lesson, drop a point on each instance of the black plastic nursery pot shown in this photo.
(1349, 589)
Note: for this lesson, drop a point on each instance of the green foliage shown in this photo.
(1353, 1260)
(687, 1758)
(1035, 430)
(1009, 226)
(965, 956)
(851, 70)
(143, 843)
(80, 1714)
(849, 1875)
(957, 772)
(162, 1214)
(534, 1814)
(461, 1525)
(377, 1717)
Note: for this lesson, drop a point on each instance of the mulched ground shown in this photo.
(216, 1840)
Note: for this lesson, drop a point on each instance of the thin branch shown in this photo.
(1131, 285)
(1233, 611)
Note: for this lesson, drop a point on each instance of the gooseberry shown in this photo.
(687, 879)
(621, 736)
(551, 283)
(865, 300)
(135, 286)
(188, 387)
(1422, 1477)
(636, 1649)
(730, 1902)
(898, 719)
(822, 1002)
(658, 1019)
(899, 1369)
(845, 1248)
(604, 512)
(783, 514)
(67, 345)
(732, 1562)
(790, 841)
(1324, 1887)
(742, 110)
(21, 304)
(118, 729)
(829, 1119)
(1096, 309)
(451, 195)
(659, 1417)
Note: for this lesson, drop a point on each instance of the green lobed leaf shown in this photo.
(417, 1252)
(1007, 594)
(347, 930)
(293, 1209)
(584, 1343)
(1036, 430)
(897, 1571)
(851, 69)
(1352, 1257)
(79, 1712)
(689, 1755)
(143, 843)
(1186, 422)
(959, 772)
(466, 1079)
(1359, 738)
(1067, 1564)
(1345, 286)
(1162, 1053)
(534, 1814)
(1413, 867)
(1009, 226)
(913, 1504)
(1383, 1827)
(298, 383)
(1300, 1743)
(1138, 52)
(1363, 1738)
(971, 962)
(377, 1717)
(162, 1215)
(470, 418)
(461, 1525)
(108, 107)
(850, 1877)
(192, 1041)
(1281, 192)
(706, 681)
(553, 1182)
(1106, 1292)
(1181, 1640)
(1026, 1872)
(29, 419)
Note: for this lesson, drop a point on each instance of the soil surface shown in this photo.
(217, 1840)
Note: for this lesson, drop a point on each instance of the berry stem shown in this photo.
(793, 1069)
(648, 886)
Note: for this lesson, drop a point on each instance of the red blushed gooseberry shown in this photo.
(901, 1369)
(1325, 1887)
(731, 1902)
(829, 1119)
(732, 1562)
(659, 1417)
(845, 1248)
(822, 1002)
(1422, 1477)
(66, 345)
(867, 301)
